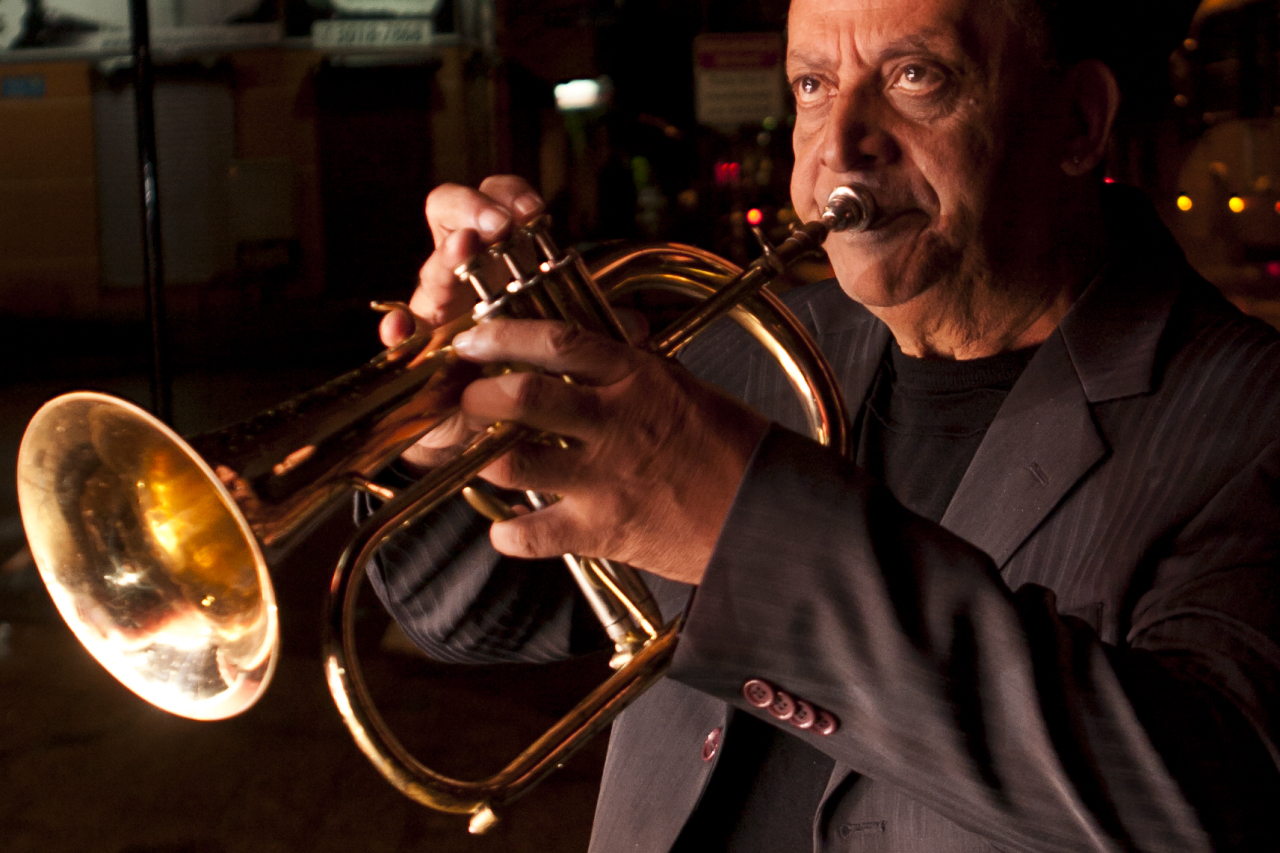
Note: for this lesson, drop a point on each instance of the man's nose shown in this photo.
(857, 138)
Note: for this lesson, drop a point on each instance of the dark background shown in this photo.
(313, 206)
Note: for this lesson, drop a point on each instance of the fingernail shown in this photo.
(491, 220)
(464, 342)
(527, 204)
(452, 243)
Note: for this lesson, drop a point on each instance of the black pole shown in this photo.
(152, 265)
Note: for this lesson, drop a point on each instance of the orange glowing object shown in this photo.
(755, 216)
(1185, 203)
(1236, 204)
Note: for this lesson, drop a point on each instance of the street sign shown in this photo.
(738, 78)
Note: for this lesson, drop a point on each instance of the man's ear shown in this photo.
(1094, 100)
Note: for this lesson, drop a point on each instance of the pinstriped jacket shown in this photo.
(1083, 655)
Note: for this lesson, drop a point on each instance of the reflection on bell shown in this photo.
(146, 556)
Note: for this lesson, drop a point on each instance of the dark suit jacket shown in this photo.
(1083, 656)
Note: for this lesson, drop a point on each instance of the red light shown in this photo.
(1109, 180)
(728, 172)
(754, 216)
(1273, 269)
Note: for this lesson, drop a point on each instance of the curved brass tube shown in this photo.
(156, 550)
(668, 267)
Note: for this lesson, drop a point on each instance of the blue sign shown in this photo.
(23, 86)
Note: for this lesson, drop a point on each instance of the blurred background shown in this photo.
(296, 142)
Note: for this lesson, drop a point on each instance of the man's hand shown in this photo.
(655, 455)
(463, 222)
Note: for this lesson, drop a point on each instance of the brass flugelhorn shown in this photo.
(156, 550)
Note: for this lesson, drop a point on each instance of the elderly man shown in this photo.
(1037, 612)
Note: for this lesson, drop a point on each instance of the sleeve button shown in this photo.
(783, 706)
(825, 723)
(758, 692)
(711, 745)
(804, 717)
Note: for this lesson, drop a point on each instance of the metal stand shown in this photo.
(152, 262)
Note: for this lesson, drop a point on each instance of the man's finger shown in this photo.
(501, 202)
(585, 357)
(396, 326)
(548, 532)
(634, 323)
(515, 194)
(536, 466)
(546, 403)
(453, 207)
(440, 296)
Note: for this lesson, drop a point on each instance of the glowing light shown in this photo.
(583, 94)
(1273, 269)
(166, 530)
(124, 576)
(1108, 180)
(754, 216)
(728, 172)
(1236, 204)
(1185, 203)
(1278, 207)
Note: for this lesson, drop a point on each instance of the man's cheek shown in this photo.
(803, 183)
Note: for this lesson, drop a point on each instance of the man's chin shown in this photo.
(875, 272)
(874, 289)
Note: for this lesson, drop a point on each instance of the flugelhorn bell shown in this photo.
(156, 550)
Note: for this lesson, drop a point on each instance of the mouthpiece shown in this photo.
(850, 208)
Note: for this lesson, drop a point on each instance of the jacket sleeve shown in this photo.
(460, 601)
(984, 703)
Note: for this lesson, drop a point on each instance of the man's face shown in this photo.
(928, 103)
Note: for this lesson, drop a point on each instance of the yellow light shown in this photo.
(1236, 204)
(755, 216)
(1185, 203)
(166, 530)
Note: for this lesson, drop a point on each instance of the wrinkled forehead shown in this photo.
(978, 30)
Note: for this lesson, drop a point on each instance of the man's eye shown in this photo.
(808, 89)
(918, 79)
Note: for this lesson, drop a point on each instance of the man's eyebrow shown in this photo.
(940, 42)
(809, 60)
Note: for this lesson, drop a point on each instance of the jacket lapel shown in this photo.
(852, 340)
(1044, 438)
(1040, 444)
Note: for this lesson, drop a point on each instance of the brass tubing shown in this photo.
(380, 745)
(747, 283)
(783, 336)
(627, 616)
(172, 541)
(646, 268)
